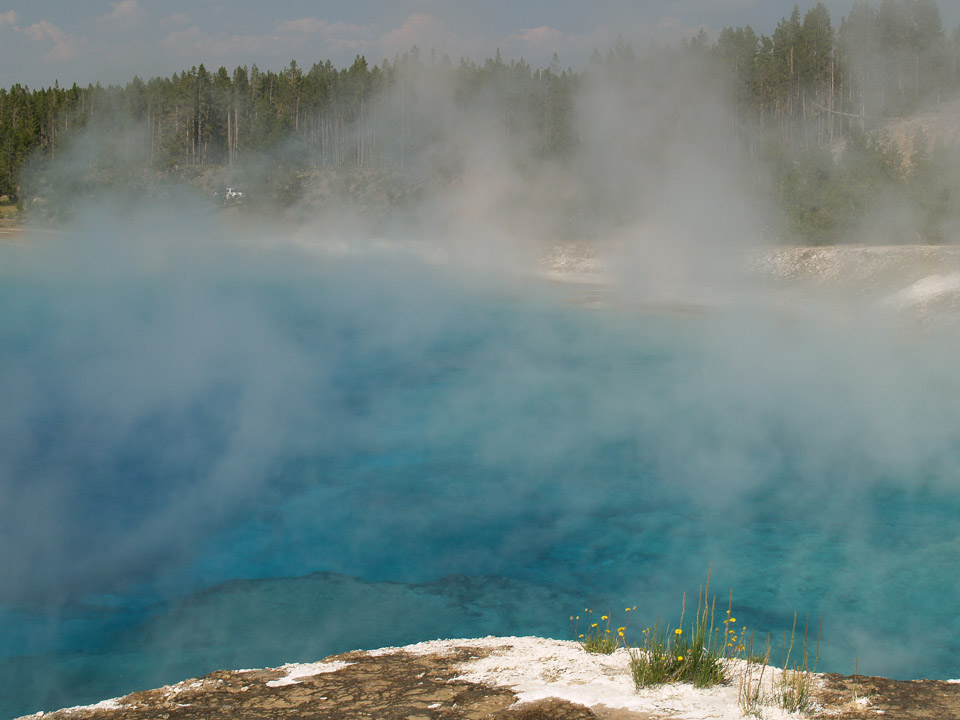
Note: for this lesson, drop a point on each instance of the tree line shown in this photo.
(357, 116)
(808, 83)
(804, 86)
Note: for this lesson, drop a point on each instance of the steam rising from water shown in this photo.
(187, 404)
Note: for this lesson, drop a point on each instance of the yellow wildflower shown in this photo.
(678, 631)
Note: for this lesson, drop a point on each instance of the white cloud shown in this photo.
(302, 26)
(179, 19)
(241, 46)
(537, 45)
(125, 15)
(426, 32)
(65, 46)
(335, 36)
(181, 42)
(348, 36)
(542, 38)
(8, 18)
(44, 29)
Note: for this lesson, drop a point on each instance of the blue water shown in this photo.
(217, 458)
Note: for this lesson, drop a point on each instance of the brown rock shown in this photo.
(398, 685)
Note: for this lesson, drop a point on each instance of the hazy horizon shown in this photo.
(48, 41)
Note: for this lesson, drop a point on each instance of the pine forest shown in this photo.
(805, 106)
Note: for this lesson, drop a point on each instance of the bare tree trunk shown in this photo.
(236, 130)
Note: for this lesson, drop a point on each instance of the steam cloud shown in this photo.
(414, 406)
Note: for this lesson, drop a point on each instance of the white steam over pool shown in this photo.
(225, 454)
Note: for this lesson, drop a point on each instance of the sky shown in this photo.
(109, 41)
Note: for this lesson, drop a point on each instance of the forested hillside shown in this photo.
(796, 98)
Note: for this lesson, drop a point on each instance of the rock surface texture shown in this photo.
(430, 681)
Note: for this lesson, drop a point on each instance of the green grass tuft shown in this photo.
(697, 653)
(692, 654)
(792, 690)
(598, 637)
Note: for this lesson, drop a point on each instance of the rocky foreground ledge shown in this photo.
(505, 678)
